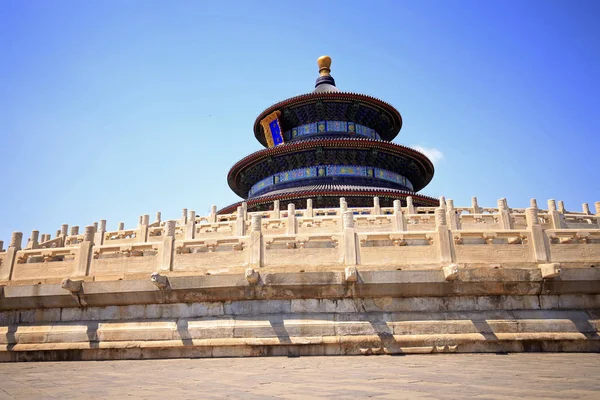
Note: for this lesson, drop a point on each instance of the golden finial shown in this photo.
(324, 63)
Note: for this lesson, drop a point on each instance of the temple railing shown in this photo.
(374, 237)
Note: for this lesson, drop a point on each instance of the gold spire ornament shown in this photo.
(324, 63)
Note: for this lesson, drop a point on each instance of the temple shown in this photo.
(329, 144)
(332, 252)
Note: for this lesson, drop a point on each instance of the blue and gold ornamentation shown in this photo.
(272, 129)
(331, 127)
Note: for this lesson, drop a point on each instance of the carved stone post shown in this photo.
(376, 206)
(351, 247)
(538, 240)
(158, 217)
(561, 207)
(586, 209)
(184, 217)
(276, 214)
(64, 228)
(343, 205)
(597, 207)
(33, 242)
(240, 223)
(410, 208)
(121, 226)
(58, 233)
(1, 246)
(245, 208)
(84, 255)
(444, 236)
(168, 245)
(143, 228)
(190, 231)
(255, 242)
(99, 236)
(74, 230)
(6, 269)
(557, 218)
(309, 208)
(475, 209)
(504, 215)
(533, 203)
(451, 215)
(16, 240)
(399, 223)
(291, 219)
(443, 202)
(212, 217)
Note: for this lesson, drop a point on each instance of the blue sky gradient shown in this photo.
(114, 109)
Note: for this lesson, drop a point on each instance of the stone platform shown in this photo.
(340, 281)
(457, 376)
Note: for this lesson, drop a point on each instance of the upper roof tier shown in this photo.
(327, 103)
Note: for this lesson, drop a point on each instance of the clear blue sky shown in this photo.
(113, 109)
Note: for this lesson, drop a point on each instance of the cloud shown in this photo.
(434, 154)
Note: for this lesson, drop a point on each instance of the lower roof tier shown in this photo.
(380, 162)
(324, 196)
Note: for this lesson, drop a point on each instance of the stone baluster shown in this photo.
(6, 268)
(42, 239)
(240, 223)
(475, 209)
(95, 227)
(350, 239)
(410, 208)
(84, 255)
(376, 207)
(343, 205)
(557, 218)
(99, 236)
(64, 229)
(276, 214)
(309, 208)
(157, 218)
(245, 208)
(443, 202)
(191, 226)
(399, 221)
(143, 228)
(212, 217)
(586, 209)
(168, 245)
(533, 203)
(184, 217)
(504, 214)
(291, 228)
(74, 230)
(451, 215)
(33, 242)
(256, 242)
(537, 234)
(58, 233)
(443, 236)
(561, 207)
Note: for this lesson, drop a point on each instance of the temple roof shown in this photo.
(346, 151)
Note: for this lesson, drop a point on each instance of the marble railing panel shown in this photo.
(45, 263)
